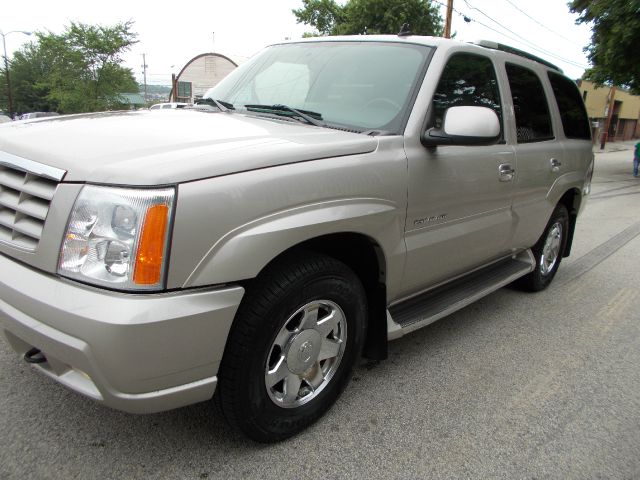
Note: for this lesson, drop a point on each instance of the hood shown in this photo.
(171, 146)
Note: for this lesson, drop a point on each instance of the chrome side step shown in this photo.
(420, 311)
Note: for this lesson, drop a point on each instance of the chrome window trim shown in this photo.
(29, 166)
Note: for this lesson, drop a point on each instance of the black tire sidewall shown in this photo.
(257, 415)
(539, 281)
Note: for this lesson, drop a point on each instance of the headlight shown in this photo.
(118, 237)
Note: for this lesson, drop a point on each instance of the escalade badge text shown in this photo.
(435, 218)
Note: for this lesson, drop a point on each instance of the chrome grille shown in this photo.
(25, 198)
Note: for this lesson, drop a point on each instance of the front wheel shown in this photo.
(548, 251)
(291, 350)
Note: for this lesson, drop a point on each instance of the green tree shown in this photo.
(370, 16)
(614, 51)
(77, 71)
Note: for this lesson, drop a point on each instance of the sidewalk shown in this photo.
(616, 146)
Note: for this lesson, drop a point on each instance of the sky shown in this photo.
(171, 33)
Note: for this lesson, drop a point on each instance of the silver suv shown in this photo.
(334, 194)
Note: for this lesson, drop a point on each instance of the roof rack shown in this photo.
(506, 48)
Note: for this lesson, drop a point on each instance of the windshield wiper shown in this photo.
(314, 118)
(223, 106)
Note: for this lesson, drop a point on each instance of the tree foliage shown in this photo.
(77, 71)
(370, 16)
(615, 43)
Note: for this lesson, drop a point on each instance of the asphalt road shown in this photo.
(517, 385)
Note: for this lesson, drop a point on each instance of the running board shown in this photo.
(420, 311)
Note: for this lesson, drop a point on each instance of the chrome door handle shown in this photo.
(506, 172)
(555, 165)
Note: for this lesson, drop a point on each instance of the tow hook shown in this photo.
(35, 356)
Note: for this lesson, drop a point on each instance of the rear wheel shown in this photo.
(291, 350)
(548, 251)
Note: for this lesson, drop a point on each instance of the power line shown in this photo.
(445, 5)
(542, 25)
(533, 47)
(522, 39)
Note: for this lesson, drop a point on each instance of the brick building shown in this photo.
(625, 124)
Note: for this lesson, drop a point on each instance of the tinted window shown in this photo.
(533, 122)
(467, 80)
(572, 112)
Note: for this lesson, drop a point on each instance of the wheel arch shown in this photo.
(571, 199)
(242, 252)
(366, 258)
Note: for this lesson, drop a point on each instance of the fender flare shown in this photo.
(244, 251)
(562, 184)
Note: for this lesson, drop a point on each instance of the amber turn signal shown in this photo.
(148, 266)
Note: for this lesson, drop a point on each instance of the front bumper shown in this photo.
(140, 353)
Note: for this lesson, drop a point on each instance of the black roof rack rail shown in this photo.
(506, 48)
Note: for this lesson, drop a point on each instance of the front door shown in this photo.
(459, 198)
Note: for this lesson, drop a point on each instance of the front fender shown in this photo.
(246, 250)
(228, 228)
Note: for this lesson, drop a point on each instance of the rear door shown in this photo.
(539, 152)
(576, 139)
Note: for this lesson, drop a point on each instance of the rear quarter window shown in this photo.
(575, 121)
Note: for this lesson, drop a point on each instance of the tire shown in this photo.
(290, 352)
(548, 251)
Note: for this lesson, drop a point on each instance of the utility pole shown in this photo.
(610, 105)
(447, 25)
(144, 72)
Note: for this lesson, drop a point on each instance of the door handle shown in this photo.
(506, 172)
(555, 165)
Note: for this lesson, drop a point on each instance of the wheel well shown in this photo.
(365, 257)
(571, 199)
(359, 252)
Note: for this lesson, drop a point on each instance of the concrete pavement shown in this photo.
(615, 146)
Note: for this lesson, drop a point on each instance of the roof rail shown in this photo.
(506, 48)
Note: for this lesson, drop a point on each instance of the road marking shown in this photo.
(599, 254)
(605, 193)
(614, 195)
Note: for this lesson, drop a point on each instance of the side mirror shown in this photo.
(465, 126)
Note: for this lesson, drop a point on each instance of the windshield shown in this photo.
(359, 85)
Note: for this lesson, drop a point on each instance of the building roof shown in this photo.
(203, 72)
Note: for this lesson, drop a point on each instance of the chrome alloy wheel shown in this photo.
(306, 353)
(551, 249)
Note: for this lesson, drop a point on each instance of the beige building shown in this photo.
(625, 117)
(200, 74)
